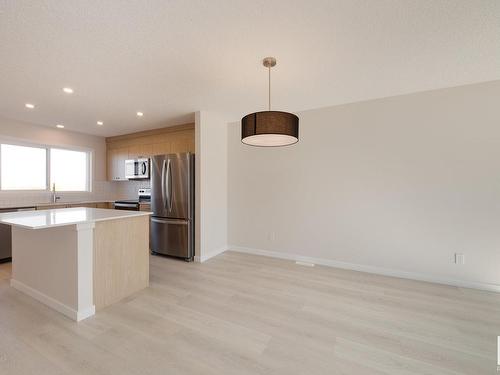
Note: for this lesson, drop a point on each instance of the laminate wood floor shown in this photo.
(5, 270)
(245, 314)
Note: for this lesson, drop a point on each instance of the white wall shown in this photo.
(51, 136)
(394, 185)
(211, 184)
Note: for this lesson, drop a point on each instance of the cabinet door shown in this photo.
(88, 205)
(191, 145)
(161, 148)
(180, 145)
(102, 205)
(120, 166)
(140, 151)
(51, 207)
(110, 155)
(145, 206)
(134, 151)
(147, 150)
(116, 164)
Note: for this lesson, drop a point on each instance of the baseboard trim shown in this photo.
(52, 303)
(84, 314)
(369, 269)
(204, 258)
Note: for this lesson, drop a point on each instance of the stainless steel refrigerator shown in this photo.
(172, 203)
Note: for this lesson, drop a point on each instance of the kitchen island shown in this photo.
(79, 260)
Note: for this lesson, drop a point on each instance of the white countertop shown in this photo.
(63, 203)
(59, 203)
(64, 216)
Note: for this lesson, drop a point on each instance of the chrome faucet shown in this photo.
(55, 198)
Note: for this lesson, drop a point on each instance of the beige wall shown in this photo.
(211, 184)
(396, 185)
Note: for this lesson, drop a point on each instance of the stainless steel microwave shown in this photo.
(137, 169)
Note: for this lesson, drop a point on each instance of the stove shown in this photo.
(144, 196)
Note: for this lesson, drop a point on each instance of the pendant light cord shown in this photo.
(269, 88)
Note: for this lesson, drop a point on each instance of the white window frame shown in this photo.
(47, 147)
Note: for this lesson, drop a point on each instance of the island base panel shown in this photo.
(121, 259)
(54, 266)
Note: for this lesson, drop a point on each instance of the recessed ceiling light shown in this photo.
(68, 90)
(100, 123)
(30, 106)
(60, 126)
(140, 114)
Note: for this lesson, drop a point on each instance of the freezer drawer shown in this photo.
(172, 237)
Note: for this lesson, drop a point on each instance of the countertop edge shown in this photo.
(44, 204)
(121, 217)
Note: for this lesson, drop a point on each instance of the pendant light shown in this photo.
(270, 128)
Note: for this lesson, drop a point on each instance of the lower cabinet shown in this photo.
(51, 207)
(145, 206)
(89, 205)
(104, 205)
(73, 205)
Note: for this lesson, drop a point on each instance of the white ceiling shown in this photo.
(171, 58)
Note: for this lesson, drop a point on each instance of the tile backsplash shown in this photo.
(102, 191)
(129, 189)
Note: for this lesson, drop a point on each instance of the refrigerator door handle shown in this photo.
(169, 186)
(169, 221)
(167, 177)
(163, 184)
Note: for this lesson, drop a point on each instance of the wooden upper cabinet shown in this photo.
(161, 148)
(147, 150)
(116, 163)
(146, 144)
(140, 151)
(191, 145)
(134, 151)
(179, 145)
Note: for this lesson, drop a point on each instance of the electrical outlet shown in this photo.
(271, 236)
(459, 258)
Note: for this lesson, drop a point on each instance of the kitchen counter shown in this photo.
(66, 203)
(64, 216)
(79, 260)
(50, 204)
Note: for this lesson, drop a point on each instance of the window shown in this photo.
(23, 168)
(69, 170)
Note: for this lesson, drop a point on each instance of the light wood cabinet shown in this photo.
(140, 151)
(89, 205)
(180, 145)
(134, 152)
(73, 205)
(145, 206)
(51, 207)
(104, 205)
(147, 150)
(116, 163)
(146, 144)
(191, 145)
(161, 148)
